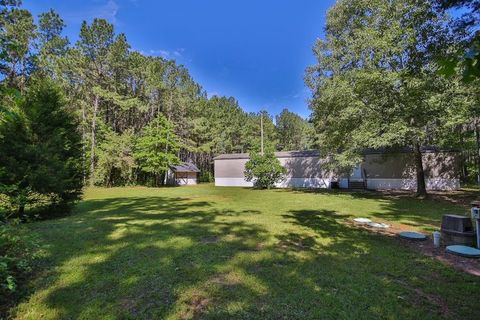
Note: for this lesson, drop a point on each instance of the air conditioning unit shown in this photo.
(475, 213)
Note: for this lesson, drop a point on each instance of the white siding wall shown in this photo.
(411, 184)
(229, 173)
(318, 183)
(191, 179)
(287, 183)
(307, 173)
(232, 182)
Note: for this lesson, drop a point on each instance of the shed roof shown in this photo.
(185, 167)
(282, 154)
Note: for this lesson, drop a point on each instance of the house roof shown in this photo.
(316, 153)
(424, 149)
(185, 167)
(282, 154)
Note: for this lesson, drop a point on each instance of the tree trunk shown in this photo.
(421, 187)
(21, 211)
(84, 149)
(166, 152)
(94, 132)
(477, 136)
(464, 160)
(158, 180)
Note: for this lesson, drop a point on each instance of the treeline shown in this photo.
(137, 114)
(96, 112)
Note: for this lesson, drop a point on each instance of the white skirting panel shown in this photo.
(443, 184)
(375, 184)
(288, 183)
(411, 184)
(185, 182)
(232, 182)
(313, 183)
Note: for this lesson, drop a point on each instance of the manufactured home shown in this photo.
(379, 170)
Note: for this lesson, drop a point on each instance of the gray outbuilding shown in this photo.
(183, 174)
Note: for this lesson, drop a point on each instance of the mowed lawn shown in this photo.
(232, 253)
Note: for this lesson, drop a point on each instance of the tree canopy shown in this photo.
(40, 149)
(264, 169)
(376, 85)
(294, 132)
(119, 96)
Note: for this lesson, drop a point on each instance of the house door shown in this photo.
(357, 173)
(182, 178)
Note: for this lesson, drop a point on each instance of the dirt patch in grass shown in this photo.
(195, 307)
(295, 242)
(253, 248)
(468, 265)
(433, 299)
(210, 239)
(461, 197)
(129, 306)
(254, 269)
(226, 280)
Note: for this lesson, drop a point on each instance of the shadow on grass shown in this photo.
(398, 207)
(160, 257)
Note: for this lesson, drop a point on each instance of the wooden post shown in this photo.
(261, 130)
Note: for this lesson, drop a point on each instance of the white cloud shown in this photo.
(107, 11)
(167, 54)
(103, 9)
(301, 94)
(178, 52)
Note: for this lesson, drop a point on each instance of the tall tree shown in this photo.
(375, 84)
(117, 92)
(156, 149)
(116, 163)
(94, 45)
(294, 132)
(17, 33)
(466, 27)
(51, 44)
(465, 63)
(40, 149)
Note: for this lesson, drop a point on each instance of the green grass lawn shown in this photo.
(223, 253)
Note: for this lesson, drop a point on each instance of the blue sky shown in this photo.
(253, 50)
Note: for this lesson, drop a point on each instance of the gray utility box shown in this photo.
(476, 218)
(457, 230)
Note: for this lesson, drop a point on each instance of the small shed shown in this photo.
(183, 174)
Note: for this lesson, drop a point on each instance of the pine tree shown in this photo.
(40, 149)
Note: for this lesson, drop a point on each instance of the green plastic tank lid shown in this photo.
(464, 251)
(413, 235)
